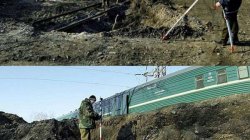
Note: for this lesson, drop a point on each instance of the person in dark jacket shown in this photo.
(87, 117)
(231, 8)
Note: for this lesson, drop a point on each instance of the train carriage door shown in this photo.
(127, 103)
(124, 108)
(104, 106)
(109, 107)
(114, 106)
(118, 104)
(96, 107)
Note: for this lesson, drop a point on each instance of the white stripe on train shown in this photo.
(191, 91)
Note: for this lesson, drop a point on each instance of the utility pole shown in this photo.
(146, 75)
(158, 72)
(101, 100)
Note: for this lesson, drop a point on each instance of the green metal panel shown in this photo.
(210, 78)
(238, 88)
(232, 73)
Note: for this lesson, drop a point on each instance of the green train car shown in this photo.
(71, 115)
(188, 85)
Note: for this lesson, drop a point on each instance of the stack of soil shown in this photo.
(13, 127)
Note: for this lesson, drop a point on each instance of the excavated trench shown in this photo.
(123, 20)
(91, 19)
(102, 23)
(133, 40)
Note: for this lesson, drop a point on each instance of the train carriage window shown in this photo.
(222, 76)
(199, 82)
(243, 72)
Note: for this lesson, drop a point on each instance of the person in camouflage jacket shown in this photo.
(87, 117)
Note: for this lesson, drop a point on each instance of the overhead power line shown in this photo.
(102, 70)
(66, 81)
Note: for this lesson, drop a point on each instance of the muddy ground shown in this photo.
(221, 119)
(134, 40)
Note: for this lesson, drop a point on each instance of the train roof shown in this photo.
(157, 80)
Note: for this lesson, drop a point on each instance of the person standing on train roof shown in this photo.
(87, 117)
(231, 8)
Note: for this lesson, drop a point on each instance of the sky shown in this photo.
(28, 91)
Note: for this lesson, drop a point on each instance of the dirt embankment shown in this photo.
(223, 118)
(133, 40)
(13, 127)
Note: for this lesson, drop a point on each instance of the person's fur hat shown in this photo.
(92, 97)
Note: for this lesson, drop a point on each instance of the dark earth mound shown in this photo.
(150, 32)
(13, 127)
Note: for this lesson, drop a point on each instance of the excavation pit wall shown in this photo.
(135, 18)
(134, 40)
